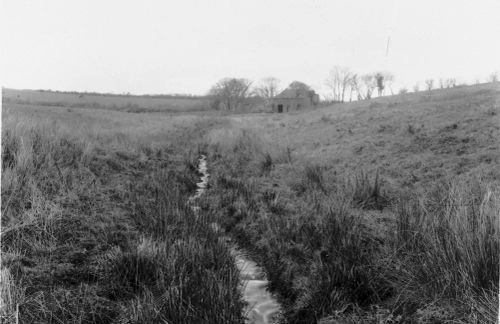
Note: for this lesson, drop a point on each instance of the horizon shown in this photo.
(186, 47)
(205, 95)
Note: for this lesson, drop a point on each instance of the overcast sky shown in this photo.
(186, 46)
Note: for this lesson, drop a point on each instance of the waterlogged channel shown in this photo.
(262, 307)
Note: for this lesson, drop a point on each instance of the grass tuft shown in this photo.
(367, 193)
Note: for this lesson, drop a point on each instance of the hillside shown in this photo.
(379, 211)
(410, 138)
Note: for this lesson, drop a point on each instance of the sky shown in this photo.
(146, 47)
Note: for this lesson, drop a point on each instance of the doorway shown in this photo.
(280, 108)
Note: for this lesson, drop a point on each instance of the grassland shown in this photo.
(127, 103)
(379, 211)
(95, 227)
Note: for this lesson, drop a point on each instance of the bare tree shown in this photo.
(229, 93)
(353, 85)
(339, 80)
(267, 88)
(442, 83)
(379, 78)
(389, 80)
(360, 88)
(346, 78)
(369, 85)
(493, 77)
(451, 82)
(429, 83)
(333, 82)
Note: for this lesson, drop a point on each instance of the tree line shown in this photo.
(233, 93)
(343, 84)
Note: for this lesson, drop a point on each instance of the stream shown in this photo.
(262, 307)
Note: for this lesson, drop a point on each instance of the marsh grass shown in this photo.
(450, 241)
(436, 258)
(95, 226)
(318, 255)
(181, 263)
(367, 193)
(96, 229)
(313, 176)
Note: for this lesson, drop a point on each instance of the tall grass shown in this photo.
(96, 229)
(450, 240)
(434, 258)
(181, 262)
(47, 212)
(318, 254)
(366, 193)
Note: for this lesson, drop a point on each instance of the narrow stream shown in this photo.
(262, 307)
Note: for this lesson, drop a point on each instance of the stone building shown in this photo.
(294, 99)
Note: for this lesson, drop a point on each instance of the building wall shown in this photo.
(290, 104)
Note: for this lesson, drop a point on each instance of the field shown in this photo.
(127, 103)
(377, 211)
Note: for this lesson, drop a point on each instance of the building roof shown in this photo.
(289, 93)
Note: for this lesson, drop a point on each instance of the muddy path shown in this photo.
(262, 307)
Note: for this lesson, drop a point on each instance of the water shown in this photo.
(202, 184)
(262, 307)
